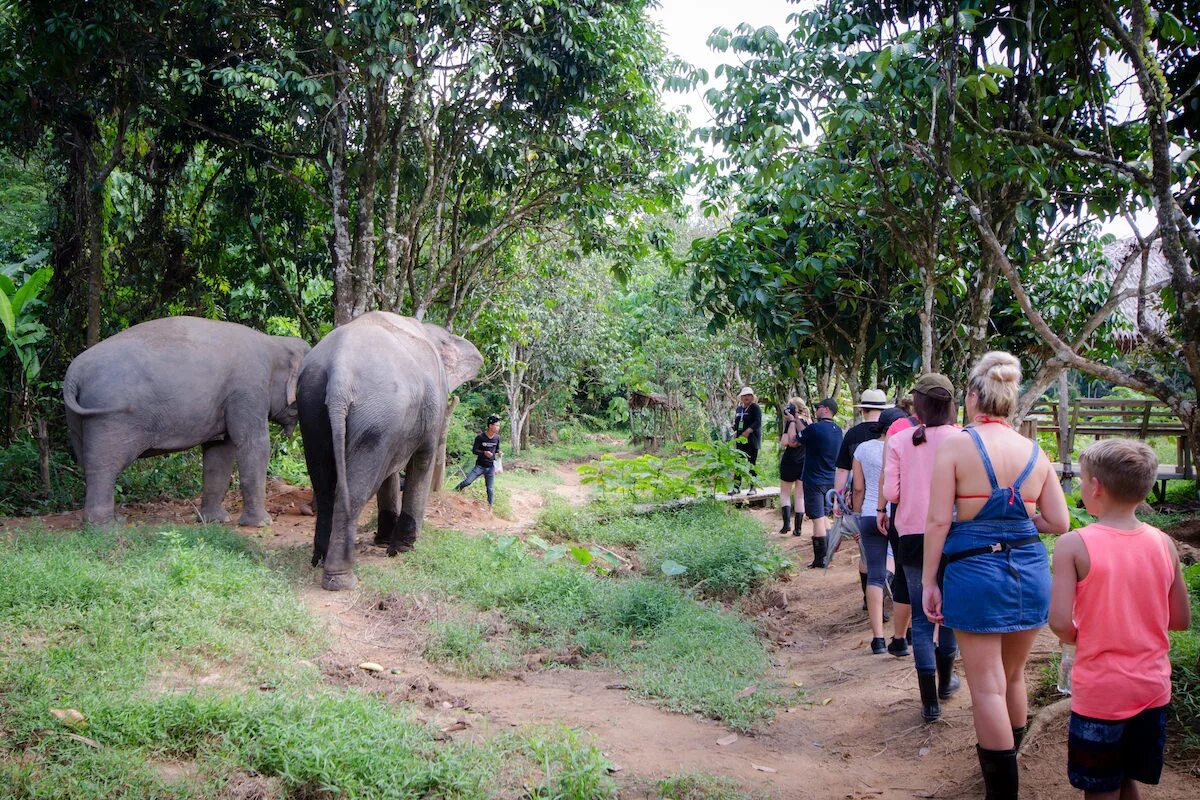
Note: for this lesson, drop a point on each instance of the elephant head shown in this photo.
(461, 360)
(289, 358)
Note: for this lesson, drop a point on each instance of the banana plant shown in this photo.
(22, 329)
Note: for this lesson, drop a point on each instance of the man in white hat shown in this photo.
(747, 422)
(872, 402)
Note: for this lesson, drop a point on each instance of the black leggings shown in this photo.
(899, 582)
(751, 454)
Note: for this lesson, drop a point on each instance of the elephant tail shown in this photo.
(337, 427)
(71, 398)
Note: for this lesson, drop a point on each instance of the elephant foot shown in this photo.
(402, 547)
(338, 582)
(217, 515)
(255, 520)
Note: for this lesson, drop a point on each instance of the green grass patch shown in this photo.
(465, 647)
(700, 787)
(723, 552)
(120, 626)
(685, 654)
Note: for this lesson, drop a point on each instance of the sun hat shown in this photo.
(873, 398)
(746, 390)
(931, 381)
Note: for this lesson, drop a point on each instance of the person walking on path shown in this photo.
(1117, 568)
(866, 469)
(996, 586)
(872, 402)
(821, 441)
(486, 449)
(885, 520)
(747, 423)
(908, 473)
(791, 464)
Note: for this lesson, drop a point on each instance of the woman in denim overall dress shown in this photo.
(996, 590)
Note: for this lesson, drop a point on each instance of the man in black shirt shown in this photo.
(821, 440)
(486, 450)
(747, 422)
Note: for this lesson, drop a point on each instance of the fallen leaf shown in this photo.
(266, 687)
(371, 666)
(924, 751)
(761, 768)
(617, 686)
(827, 701)
(455, 726)
(727, 740)
(68, 716)
(798, 684)
(397, 672)
(615, 768)
(84, 739)
(744, 693)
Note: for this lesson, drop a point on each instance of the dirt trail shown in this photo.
(858, 734)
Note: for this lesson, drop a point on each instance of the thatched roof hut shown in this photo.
(1119, 253)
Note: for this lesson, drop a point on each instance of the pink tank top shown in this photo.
(1122, 609)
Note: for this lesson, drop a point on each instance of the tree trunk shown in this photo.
(43, 439)
(340, 249)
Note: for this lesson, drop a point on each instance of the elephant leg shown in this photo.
(253, 453)
(417, 479)
(366, 473)
(105, 453)
(218, 469)
(388, 502)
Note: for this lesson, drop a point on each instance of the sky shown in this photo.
(686, 25)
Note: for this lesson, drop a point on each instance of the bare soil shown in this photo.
(857, 735)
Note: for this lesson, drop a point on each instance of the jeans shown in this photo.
(874, 548)
(489, 478)
(924, 654)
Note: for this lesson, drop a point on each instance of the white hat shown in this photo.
(874, 398)
(745, 391)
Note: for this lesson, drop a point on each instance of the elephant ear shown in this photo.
(294, 368)
(460, 358)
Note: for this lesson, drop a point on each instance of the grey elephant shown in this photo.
(372, 401)
(175, 383)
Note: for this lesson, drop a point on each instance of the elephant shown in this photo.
(372, 403)
(174, 383)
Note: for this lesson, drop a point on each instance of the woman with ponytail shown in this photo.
(982, 530)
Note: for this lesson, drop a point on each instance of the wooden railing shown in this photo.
(1106, 418)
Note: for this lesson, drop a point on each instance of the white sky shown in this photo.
(686, 25)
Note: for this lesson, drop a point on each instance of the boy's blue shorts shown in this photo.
(1103, 753)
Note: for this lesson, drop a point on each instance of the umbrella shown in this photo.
(844, 526)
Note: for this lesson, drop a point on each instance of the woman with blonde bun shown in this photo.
(996, 590)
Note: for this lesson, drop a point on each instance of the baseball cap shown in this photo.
(873, 398)
(932, 381)
(829, 403)
(493, 419)
(745, 391)
(889, 417)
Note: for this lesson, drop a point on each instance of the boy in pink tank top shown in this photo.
(1118, 588)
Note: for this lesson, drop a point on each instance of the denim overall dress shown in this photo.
(997, 575)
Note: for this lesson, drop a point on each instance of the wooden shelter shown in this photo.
(651, 415)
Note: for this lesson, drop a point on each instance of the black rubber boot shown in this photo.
(948, 682)
(818, 552)
(930, 709)
(1019, 736)
(999, 768)
(786, 511)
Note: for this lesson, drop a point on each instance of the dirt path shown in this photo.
(858, 735)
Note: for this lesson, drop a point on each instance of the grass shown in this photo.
(724, 551)
(119, 626)
(686, 655)
(699, 787)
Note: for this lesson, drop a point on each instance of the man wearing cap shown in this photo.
(747, 422)
(486, 450)
(822, 440)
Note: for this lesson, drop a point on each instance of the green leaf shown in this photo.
(582, 555)
(31, 288)
(6, 315)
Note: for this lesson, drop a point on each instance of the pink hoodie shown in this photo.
(908, 474)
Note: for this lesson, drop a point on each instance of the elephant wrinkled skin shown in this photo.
(372, 400)
(175, 383)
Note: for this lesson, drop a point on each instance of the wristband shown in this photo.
(881, 511)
